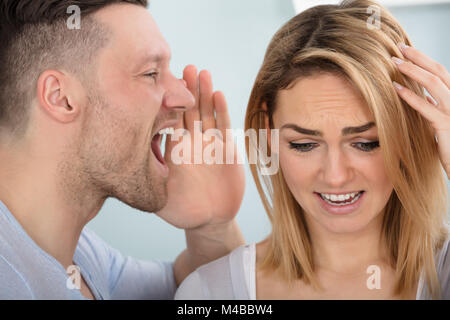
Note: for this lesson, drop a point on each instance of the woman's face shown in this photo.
(329, 148)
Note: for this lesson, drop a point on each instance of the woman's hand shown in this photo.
(435, 78)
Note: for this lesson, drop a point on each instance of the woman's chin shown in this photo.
(345, 229)
(345, 225)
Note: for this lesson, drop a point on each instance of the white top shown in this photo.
(233, 277)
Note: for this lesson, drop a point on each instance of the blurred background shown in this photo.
(229, 38)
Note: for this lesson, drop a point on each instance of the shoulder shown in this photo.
(443, 255)
(12, 283)
(443, 268)
(90, 242)
(224, 278)
(192, 288)
(205, 283)
(93, 252)
(93, 249)
(121, 276)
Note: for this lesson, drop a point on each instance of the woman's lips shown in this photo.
(340, 209)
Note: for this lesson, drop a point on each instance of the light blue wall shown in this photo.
(229, 38)
(428, 27)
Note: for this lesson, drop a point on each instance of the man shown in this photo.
(80, 112)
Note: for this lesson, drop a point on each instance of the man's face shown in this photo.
(133, 97)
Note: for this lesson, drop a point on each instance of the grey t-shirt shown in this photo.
(233, 277)
(28, 272)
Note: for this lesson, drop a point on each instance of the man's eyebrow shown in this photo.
(155, 57)
(345, 131)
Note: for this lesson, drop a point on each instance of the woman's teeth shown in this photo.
(342, 199)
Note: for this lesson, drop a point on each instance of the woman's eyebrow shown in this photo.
(345, 131)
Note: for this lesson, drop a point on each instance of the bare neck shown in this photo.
(349, 253)
(48, 204)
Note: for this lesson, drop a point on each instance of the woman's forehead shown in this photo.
(323, 97)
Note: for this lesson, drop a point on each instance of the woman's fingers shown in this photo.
(425, 108)
(425, 62)
(435, 78)
(430, 100)
(435, 86)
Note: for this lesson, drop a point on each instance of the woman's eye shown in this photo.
(367, 146)
(363, 146)
(301, 147)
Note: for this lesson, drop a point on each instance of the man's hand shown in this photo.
(204, 198)
(201, 195)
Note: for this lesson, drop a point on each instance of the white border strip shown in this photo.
(301, 5)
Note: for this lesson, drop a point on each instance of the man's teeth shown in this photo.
(169, 130)
(332, 198)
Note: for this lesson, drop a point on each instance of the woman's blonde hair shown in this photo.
(341, 39)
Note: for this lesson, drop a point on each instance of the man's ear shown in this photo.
(53, 96)
(267, 123)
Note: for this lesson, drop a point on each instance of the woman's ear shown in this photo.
(267, 123)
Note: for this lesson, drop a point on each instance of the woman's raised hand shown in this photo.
(435, 78)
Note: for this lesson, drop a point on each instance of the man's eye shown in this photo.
(153, 75)
(367, 146)
(301, 147)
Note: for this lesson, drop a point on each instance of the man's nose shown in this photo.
(337, 170)
(178, 95)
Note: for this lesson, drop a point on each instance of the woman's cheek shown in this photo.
(297, 172)
(374, 171)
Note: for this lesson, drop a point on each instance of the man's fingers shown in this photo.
(222, 115)
(190, 76)
(180, 123)
(206, 105)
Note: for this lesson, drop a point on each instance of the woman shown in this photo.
(359, 205)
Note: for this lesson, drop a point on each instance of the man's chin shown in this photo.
(150, 201)
(158, 202)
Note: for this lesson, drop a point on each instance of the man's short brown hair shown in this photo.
(34, 37)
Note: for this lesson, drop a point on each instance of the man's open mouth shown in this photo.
(158, 140)
(156, 148)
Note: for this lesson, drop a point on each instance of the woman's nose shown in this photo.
(337, 170)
